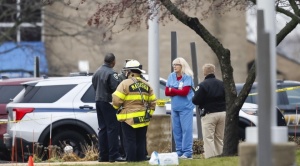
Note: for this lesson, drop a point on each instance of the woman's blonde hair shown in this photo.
(208, 69)
(185, 67)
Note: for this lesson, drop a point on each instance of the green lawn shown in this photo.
(218, 161)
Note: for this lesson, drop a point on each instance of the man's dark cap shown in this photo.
(109, 58)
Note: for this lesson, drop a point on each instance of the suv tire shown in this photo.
(72, 138)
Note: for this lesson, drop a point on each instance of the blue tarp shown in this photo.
(17, 59)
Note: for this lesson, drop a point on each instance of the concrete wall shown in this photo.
(159, 134)
(62, 49)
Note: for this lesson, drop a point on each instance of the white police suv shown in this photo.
(61, 111)
(56, 111)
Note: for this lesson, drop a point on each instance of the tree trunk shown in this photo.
(233, 106)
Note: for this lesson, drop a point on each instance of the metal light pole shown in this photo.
(153, 48)
(268, 135)
(266, 69)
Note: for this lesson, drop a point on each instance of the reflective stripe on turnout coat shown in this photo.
(128, 97)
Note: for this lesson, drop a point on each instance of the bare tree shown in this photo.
(132, 14)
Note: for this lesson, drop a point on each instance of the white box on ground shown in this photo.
(164, 159)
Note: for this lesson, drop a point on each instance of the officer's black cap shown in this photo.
(109, 58)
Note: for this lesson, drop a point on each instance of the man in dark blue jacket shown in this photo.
(210, 96)
(105, 81)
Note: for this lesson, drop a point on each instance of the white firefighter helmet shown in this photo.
(134, 65)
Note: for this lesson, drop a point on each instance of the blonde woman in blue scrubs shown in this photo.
(179, 88)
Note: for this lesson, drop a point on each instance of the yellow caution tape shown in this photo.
(162, 102)
(287, 89)
(279, 90)
(2, 122)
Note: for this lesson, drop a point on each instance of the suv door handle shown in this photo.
(85, 107)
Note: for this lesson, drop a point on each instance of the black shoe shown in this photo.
(102, 160)
(119, 159)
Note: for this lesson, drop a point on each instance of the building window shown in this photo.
(20, 20)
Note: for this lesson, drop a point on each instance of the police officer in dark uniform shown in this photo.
(105, 81)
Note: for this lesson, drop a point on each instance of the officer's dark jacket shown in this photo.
(210, 95)
(105, 82)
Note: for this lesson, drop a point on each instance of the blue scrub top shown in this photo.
(180, 103)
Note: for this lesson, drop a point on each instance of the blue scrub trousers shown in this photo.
(182, 126)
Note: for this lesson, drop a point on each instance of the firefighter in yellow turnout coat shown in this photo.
(136, 99)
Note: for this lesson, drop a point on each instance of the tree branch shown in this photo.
(290, 25)
(288, 13)
(195, 25)
(294, 7)
(286, 30)
(253, 1)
